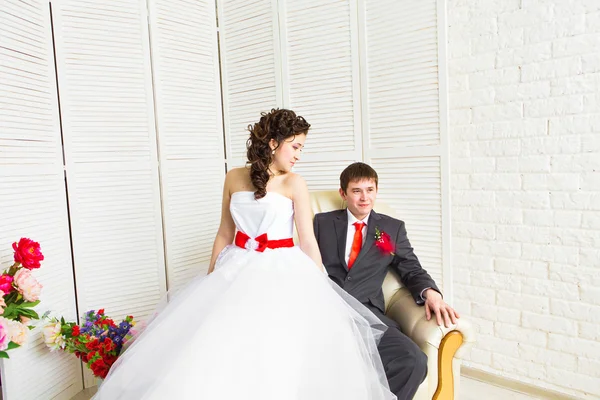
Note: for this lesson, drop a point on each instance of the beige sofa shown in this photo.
(442, 345)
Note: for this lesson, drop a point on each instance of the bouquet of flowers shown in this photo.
(98, 341)
(19, 293)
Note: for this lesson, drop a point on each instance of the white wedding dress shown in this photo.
(263, 326)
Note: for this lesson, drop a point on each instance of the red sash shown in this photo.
(260, 243)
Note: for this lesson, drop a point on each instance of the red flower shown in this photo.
(384, 242)
(6, 283)
(27, 253)
(93, 345)
(110, 359)
(100, 368)
(108, 345)
(76, 331)
(101, 311)
(82, 356)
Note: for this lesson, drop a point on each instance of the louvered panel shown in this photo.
(320, 75)
(102, 65)
(27, 94)
(402, 73)
(412, 186)
(248, 67)
(33, 202)
(105, 82)
(322, 175)
(192, 211)
(186, 75)
(34, 205)
(115, 235)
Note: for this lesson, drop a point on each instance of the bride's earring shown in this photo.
(273, 152)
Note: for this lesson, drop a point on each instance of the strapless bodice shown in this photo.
(273, 214)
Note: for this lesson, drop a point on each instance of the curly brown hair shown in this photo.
(279, 125)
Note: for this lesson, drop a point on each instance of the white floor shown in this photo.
(471, 389)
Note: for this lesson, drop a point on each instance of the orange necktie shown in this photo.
(356, 243)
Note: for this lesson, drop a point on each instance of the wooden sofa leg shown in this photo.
(448, 348)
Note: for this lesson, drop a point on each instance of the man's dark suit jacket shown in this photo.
(365, 278)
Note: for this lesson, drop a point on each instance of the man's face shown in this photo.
(360, 197)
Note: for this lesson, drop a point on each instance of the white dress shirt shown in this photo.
(351, 230)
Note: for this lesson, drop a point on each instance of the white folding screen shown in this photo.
(185, 63)
(33, 199)
(320, 81)
(404, 120)
(250, 68)
(368, 75)
(105, 85)
(111, 169)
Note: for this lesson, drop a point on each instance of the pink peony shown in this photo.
(27, 285)
(6, 283)
(18, 332)
(2, 302)
(27, 252)
(4, 335)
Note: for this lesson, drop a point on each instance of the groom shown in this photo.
(347, 242)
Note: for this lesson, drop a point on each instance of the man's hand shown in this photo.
(434, 304)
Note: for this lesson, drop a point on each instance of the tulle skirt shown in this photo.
(262, 326)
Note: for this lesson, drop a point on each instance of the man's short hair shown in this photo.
(357, 171)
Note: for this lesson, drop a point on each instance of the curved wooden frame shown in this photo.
(448, 348)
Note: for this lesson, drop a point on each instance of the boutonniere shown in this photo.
(383, 241)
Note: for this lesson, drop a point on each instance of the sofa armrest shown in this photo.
(443, 346)
(413, 323)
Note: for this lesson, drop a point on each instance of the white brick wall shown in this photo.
(524, 82)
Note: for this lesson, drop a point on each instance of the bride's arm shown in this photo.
(227, 226)
(303, 217)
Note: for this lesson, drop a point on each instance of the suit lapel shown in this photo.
(341, 230)
(370, 239)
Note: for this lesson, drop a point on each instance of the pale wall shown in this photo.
(524, 83)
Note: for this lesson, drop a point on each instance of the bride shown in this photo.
(266, 323)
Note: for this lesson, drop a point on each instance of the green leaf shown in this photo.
(10, 311)
(12, 297)
(12, 345)
(30, 303)
(29, 313)
(3, 354)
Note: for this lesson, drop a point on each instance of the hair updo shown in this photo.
(279, 125)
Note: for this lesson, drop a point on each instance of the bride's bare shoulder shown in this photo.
(238, 179)
(293, 178)
(239, 172)
(295, 182)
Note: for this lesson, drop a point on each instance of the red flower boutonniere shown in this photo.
(384, 242)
